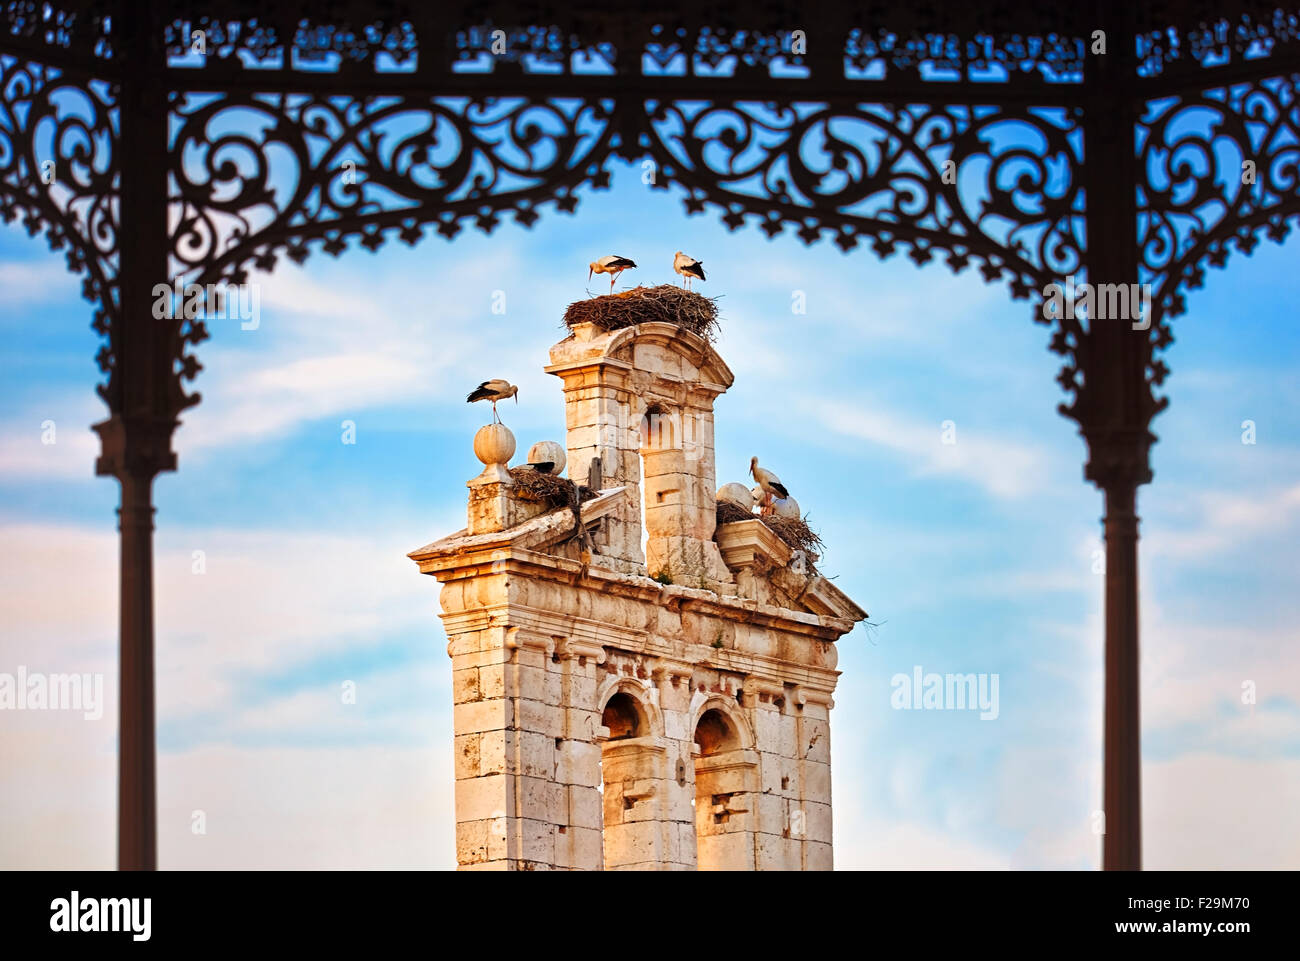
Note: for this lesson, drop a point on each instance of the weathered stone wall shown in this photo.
(531, 685)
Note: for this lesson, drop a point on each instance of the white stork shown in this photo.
(494, 390)
(688, 267)
(612, 265)
(768, 483)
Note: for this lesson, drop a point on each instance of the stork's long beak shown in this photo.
(590, 271)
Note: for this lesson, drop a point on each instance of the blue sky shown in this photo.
(975, 557)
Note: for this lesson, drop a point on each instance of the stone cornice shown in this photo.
(506, 559)
(748, 543)
(585, 636)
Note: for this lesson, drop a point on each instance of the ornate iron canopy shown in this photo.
(197, 142)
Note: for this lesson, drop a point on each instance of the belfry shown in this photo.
(637, 686)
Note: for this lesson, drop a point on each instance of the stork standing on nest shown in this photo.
(768, 483)
(494, 390)
(688, 267)
(612, 265)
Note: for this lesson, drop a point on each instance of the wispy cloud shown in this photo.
(1003, 468)
(352, 346)
(28, 282)
(24, 456)
(1216, 520)
(264, 602)
(51, 439)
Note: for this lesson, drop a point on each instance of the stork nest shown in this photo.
(797, 535)
(642, 305)
(729, 511)
(533, 485)
(794, 532)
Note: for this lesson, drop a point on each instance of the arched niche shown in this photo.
(726, 781)
(632, 760)
(623, 717)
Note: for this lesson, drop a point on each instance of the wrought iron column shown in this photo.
(132, 450)
(1116, 407)
(136, 439)
(1123, 767)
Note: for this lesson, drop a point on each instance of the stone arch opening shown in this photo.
(631, 773)
(660, 429)
(715, 733)
(725, 797)
(623, 716)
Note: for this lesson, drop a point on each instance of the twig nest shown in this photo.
(548, 451)
(786, 507)
(666, 303)
(531, 485)
(737, 494)
(494, 444)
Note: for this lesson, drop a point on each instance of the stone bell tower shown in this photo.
(620, 710)
(641, 400)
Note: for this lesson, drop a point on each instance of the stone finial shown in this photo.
(737, 494)
(494, 445)
(548, 451)
(489, 492)
(786, 507)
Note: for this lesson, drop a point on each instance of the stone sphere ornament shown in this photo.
(786, 507)
(548, 452)
(737, 494)
(494, 444)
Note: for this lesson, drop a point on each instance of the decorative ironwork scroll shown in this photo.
(264, 175)
(57, 179)
(978, 186)
(986, 178)
(1218, 171)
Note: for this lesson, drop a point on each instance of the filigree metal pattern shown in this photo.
(1218, 171)
(883, 52)
(994, 188)
(1211, 35)
(57, 179)
(980, 186)
(259, 176)
(533, 48)
(308, 43)
(361, 168)
(1017, 43)
(82, 29)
